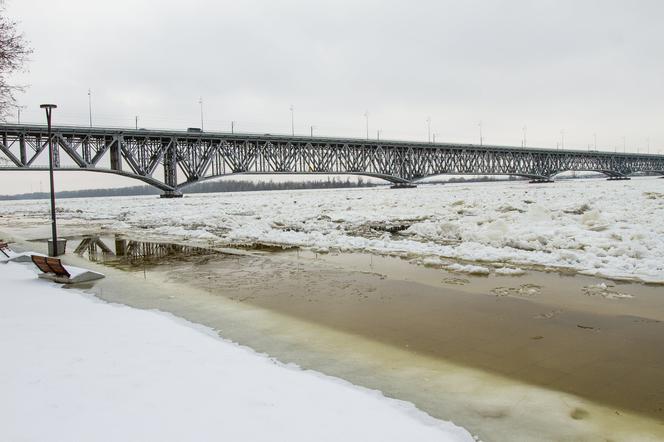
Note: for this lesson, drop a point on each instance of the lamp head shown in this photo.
(48, 106)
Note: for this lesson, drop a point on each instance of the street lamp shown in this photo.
(595, 140)
(429, 129)
(200, 101)
(524, 136)
(292, 119)
(54, 250)
(481, 140)
(366, 115)
(18, 109)
(89, 105)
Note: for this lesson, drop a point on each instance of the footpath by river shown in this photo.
(538, 356)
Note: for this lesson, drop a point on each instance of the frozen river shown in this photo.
(595, 226)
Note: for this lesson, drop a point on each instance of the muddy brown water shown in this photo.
(387, 323)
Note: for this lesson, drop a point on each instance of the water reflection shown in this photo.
(122, 251)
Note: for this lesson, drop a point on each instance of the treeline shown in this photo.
(204, 187)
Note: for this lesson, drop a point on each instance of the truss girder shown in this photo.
(196, 156)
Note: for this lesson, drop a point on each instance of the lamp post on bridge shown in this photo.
(292, 119)
(366, 116)
(200, 101)
(524, 136)
(18, 116)
(429, 129)
(89, 105)
(595, 140)
(54, 250)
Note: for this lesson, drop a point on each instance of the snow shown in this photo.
(467, 268)
(509, 271)
(76, 368)
(593, 226)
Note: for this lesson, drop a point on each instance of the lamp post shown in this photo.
(595, 141)
(200, 101)
(366, 116)
(429, 129)
(49, 109)
(292, 119)
(89, 106)
(481, 138)
(19, 108)
(525, 141)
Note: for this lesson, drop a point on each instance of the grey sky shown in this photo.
(582, 66)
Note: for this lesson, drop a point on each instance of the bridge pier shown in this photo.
(540, 181)
(171, 194)
(403, 186)
(618, 178)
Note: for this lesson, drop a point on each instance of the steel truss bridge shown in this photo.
(184, 158)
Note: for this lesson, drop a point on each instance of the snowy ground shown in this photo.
(75, 368)
(594, 226)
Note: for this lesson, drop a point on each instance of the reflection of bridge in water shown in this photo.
(122, 249)
(199, 156)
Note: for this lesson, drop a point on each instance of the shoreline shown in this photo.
(144, 357)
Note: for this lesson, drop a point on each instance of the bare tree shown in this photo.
(14, 51)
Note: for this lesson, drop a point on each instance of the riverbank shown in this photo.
(75, 368)
(500, 355)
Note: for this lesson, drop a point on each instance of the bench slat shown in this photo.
(50, 265)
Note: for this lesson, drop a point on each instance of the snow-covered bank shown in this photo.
(75, 368)
(611, 229)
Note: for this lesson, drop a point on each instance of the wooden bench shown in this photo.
(4, 249)
(50, 265)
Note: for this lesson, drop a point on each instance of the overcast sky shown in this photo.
(584, 67)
